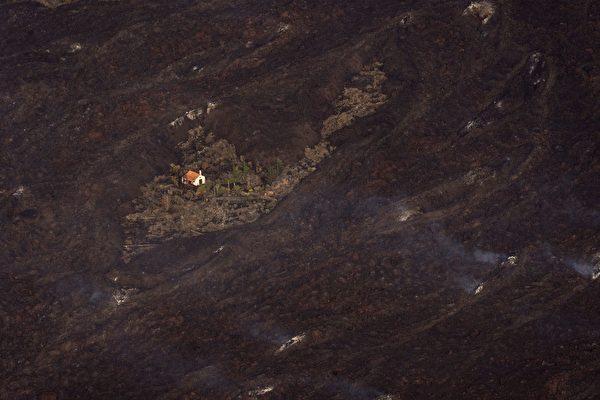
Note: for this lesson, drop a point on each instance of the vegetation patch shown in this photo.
(237, 190)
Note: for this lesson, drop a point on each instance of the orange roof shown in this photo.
(191, 176)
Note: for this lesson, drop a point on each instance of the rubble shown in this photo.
(479, 288)
(75, 47)
(483, 10)
(407, 214)
(261, 391)
(293, 341)
(194, 114)
(19, 192)
(472, 124)
(55, 3)
(210, 107)
(536, 66)
(176, 122)
(283, 27)
(406, 19)
(191, 115)
(122, 296)
(511, 261)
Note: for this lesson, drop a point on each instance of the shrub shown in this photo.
(203, 189)
(175, 169)
(273, 170)
(219, 189)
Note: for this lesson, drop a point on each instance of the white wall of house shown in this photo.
(199, 180)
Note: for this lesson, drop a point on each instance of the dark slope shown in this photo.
(487, 148)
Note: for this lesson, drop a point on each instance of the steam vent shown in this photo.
(299, 199)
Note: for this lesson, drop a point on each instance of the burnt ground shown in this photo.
(446, 249)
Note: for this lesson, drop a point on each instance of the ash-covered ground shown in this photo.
(401, 199)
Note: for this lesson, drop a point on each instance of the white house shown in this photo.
(193, 178)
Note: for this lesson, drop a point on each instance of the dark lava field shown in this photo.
(402, 199)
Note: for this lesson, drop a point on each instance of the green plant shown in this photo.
(230, 181)
(273, 170)
(245, 168)
(218, 188)
(236, 174)
(237, 179)
(202, 190)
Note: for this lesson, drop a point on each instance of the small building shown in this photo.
(193, 178)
